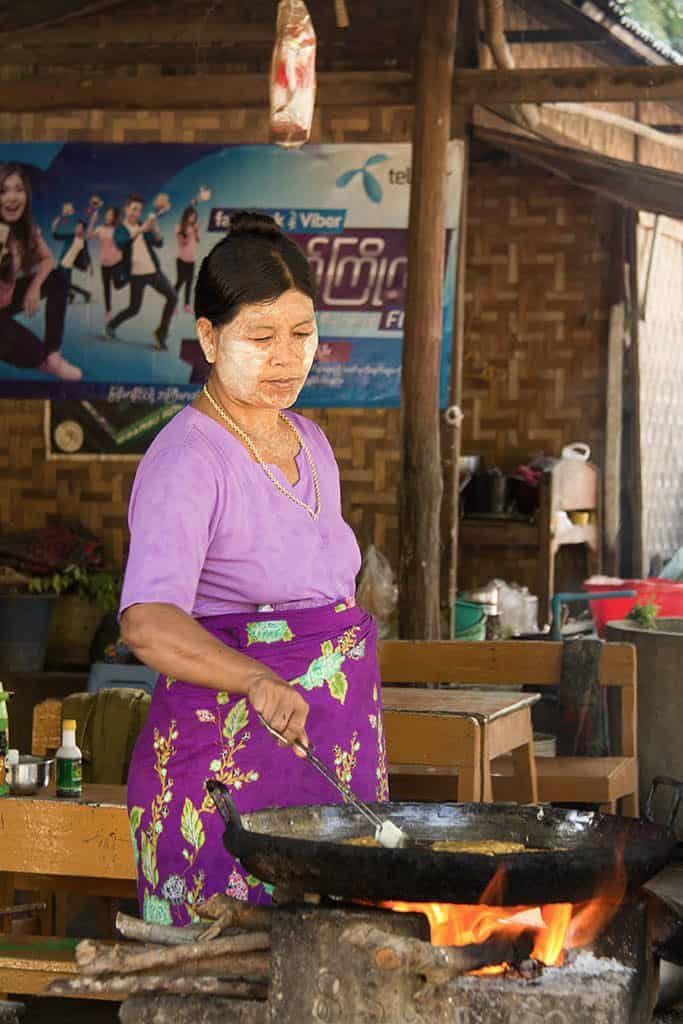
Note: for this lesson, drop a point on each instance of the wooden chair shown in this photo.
(600, 780)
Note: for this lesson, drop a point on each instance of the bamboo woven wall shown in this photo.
(660, 349)
(536, 315)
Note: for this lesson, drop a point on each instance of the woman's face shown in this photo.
(192, 219)
(13, 199)
(109, 217)
(262, 358)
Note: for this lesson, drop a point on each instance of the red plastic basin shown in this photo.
(667, 596)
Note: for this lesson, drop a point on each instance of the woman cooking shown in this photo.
(239, 588)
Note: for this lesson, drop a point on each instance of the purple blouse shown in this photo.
(211, 533)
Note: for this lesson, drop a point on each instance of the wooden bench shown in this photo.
(601, 780)
(30, 963)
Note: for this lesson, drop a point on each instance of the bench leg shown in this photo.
(608, 808)
(469, 784)
(525, 773)
(630, 807)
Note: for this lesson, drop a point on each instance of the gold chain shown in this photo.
(313, 512)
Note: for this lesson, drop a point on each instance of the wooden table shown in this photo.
(499, 723)
(88, 838)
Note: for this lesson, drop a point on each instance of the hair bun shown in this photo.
(248, 222)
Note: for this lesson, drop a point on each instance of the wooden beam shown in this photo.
(524, 36)
(421, 477)
(139, 31)
(340, 89)
(578, 85)
(196, 92)
(31, 16)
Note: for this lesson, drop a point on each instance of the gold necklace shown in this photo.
(313, 512)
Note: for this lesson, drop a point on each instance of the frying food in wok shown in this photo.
(488, 847)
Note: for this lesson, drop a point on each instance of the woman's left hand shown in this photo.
(32, 300)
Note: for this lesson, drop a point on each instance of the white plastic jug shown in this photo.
(578, 450)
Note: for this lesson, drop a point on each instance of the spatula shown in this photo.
(386, 833)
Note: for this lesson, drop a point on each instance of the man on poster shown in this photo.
(138, 241)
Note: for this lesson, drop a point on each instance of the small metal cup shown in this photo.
(30, 775)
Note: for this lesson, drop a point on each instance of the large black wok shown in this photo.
(300, 847)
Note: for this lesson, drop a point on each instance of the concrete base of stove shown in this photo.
(318, 978)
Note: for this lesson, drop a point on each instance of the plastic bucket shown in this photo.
(476, 632)
(467, 615)
(24, 625)
(668, 596)
(470, 621)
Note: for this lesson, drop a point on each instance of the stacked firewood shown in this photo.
(226, 957)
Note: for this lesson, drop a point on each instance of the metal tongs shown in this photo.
(386, 833)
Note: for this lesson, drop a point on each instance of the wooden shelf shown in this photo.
(571, 486)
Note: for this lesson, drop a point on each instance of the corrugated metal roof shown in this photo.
(617, 10)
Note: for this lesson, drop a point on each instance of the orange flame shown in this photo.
(556, 926)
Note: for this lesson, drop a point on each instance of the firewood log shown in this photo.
(135, 984)
(94, 958)
(162, 934)
(436, 963)
(227, 912)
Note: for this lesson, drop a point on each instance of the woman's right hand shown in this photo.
(281, 706)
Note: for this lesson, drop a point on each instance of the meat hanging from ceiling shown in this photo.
(292, 75)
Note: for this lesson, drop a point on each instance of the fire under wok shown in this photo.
(568, 853)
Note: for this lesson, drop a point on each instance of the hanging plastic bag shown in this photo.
(377, 592)
(292, 75)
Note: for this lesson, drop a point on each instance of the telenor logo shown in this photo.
(373, 189)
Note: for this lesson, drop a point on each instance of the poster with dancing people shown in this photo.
(100, 246)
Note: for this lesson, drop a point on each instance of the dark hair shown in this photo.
(83, 223)
(115, 210)
(24, 231)
(255, 263)
(188, 212)
(135, 197)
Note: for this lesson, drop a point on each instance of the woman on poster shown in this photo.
(187, 238)
(110, 255)
(27, 276)
(240, 587)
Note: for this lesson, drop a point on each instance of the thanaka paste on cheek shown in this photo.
(310, 348)
(239, 366)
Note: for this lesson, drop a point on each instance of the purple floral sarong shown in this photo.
(193, 733)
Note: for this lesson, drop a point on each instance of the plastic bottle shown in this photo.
(69, 763)
(4, 741)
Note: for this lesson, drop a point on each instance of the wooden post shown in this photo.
(614, 398)
(456, 393)
(632, 504)
(421, 480)
(467, 55)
